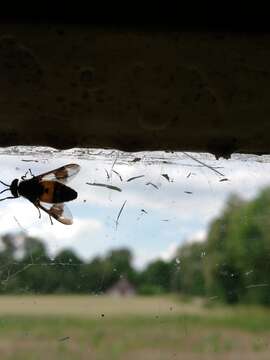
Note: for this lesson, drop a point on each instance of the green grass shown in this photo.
(128, 330)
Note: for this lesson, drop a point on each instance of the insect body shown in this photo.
(47, 191)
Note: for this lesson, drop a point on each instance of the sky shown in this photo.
(154, 221)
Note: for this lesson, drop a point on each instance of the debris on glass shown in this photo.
(141, 273)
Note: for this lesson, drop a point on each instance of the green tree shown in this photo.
(187, 276)
(117, 264)
(156, 278)
(94, 276)
(238, 248)
(35, 273)
(9, 266)
(67, 271)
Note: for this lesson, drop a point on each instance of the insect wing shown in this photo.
(59, 212)
(62, 174)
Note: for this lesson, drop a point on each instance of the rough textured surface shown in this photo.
(75, 86)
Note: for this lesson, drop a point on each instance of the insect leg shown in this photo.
(37, 206)
(4, 183)
(30, 171)
(9, 197)
(24, 176)
(1, 192)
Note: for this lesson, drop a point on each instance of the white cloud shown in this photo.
(198, 236)
(142, 258)
(59, 235)
(21, 215)
(170, 252)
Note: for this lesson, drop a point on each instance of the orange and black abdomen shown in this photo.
(56, 192)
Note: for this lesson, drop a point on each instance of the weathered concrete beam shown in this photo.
(78, 86)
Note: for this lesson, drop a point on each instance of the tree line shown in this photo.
(28, 268)
(232, 264)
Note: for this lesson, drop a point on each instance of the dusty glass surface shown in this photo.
(167, 257)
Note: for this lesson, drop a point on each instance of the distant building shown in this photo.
(122, 288)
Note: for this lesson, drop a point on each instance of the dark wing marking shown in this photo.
(59, 212)
(61, 174)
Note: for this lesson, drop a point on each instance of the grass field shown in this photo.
(99, 327)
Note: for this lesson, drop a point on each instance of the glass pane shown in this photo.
(168, 256)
